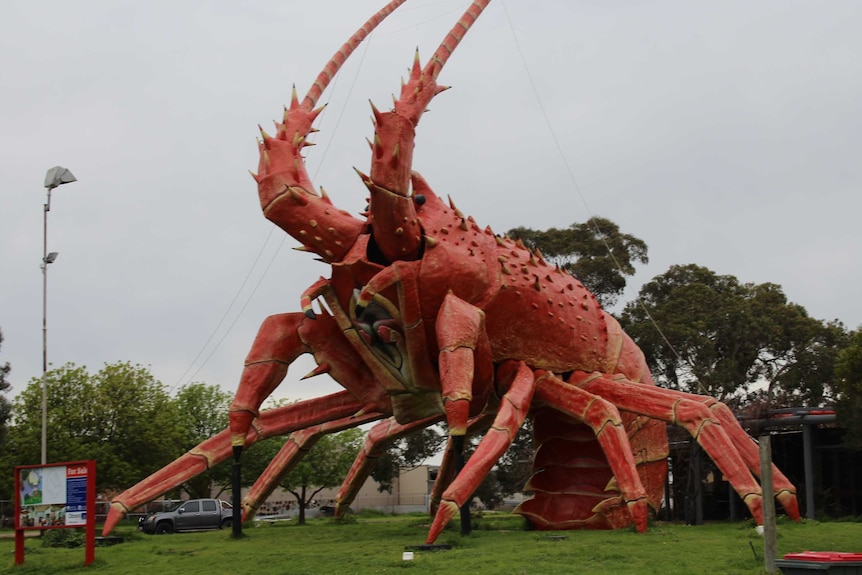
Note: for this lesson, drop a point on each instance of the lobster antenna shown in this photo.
(454, 37)
(344, 52)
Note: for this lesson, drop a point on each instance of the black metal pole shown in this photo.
(698, 484)
(808, 462)
(731, 501)
(458, 444)
(236, 499)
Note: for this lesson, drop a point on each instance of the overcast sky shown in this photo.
(726, 134)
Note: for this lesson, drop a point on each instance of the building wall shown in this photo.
(410, 492)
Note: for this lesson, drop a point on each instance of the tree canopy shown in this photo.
(202, 412)
(848, 370)
(595, 252)
(406, 453)
(5, 405)
(120, 416)
(720, 337)
(324, 466)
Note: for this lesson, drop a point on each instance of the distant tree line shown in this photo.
(5, 405)
(126, 420)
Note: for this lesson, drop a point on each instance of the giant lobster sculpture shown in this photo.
(427, 317)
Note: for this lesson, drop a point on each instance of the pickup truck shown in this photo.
(191, 515)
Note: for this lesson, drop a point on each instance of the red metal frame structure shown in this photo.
(74, 471)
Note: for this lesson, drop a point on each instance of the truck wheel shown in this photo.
(164, 528)
(227, 523)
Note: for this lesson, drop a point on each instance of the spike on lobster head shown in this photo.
(392, 211)
(395, 130)
(287, 194)
(282, 154)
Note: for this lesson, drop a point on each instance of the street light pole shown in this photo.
(56, 176)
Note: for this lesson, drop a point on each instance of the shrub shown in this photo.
(63, 538)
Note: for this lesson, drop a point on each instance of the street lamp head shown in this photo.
(49, 259)
(57, 176)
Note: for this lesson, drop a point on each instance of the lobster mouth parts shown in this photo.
(379, 326)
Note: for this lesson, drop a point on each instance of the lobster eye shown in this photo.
(419, 199)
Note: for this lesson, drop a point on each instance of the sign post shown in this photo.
(56, 496)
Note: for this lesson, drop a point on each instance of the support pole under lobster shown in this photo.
(458, 444)
(236, 495)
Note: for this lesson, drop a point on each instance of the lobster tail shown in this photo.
(573, 485)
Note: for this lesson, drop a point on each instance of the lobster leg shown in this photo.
(446, 472)
(281, 339)
(690, 414)
(783, 489)
(445, 475)
(276, 346)
(510, 416)
(604, 419)
(465, 365)
(297, 446)
(218, 448)
(464, 360)
(378, 440)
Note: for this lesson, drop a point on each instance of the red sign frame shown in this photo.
(35, 514)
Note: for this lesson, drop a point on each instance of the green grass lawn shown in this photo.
(498, 546)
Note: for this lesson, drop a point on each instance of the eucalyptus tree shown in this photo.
(849, 382)
(324, 466)
(711, 334)
(5, 404)
(595, 252)
(121, 416)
